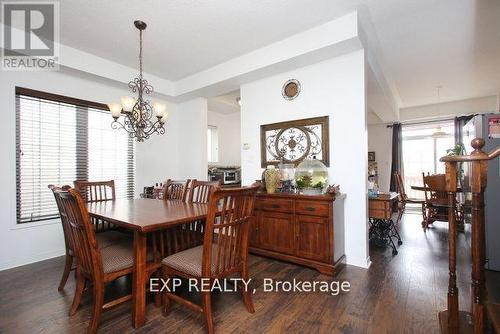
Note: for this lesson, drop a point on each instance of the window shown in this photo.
(212, 144)
(423, 145)
(60, 140)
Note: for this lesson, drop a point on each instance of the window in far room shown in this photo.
(212, 144)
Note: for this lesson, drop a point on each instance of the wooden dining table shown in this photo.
(143, 216)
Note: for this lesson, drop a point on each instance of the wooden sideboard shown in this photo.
(303, 229)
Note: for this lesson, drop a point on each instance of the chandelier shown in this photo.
(137, 112)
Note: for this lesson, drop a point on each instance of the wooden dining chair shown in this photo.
(436, 200)
(96, 265)
(224, 251)
(97, 191)
(200, 190)
(404, 199)
(176, 190)
(104, 239)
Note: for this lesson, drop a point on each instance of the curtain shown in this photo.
(397, 154)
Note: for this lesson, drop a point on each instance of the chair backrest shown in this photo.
(435, 186)
(400, 186)
(67, 241)
(80, 231)
(177, 190)
(226, 230)
(200, 190)
(96, 191)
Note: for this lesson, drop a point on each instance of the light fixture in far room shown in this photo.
(439, 133)
(138, 112)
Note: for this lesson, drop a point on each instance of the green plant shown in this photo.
(458, 149)
(319, 185)
(304, 182)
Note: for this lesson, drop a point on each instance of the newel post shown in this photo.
(478, 184)
(451, 188)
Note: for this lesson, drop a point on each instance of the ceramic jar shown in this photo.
(272, 178)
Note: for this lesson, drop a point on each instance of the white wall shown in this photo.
(229, 133)
(335, 88)
(34, 242)
(380, 141)
(156, 159)
(192, 147)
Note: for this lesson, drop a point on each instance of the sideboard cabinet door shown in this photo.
(312, 237)
(276, 232)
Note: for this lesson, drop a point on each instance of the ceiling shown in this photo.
(419, 44)
(225, 104)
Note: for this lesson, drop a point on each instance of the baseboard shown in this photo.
(362, 263)
(31, 259)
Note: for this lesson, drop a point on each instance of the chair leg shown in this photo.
(247, 296)
(165, 298)
(207, 311)
(67, 269)
(98, 302)
(80, 286)
(157, 295)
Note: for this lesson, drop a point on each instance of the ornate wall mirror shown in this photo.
(294, 141)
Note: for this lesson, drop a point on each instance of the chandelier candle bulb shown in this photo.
(115, 108)
(127, 103)
(159, 109)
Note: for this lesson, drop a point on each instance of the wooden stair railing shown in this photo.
(452, 320)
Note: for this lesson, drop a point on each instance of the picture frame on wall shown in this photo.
(371, 156)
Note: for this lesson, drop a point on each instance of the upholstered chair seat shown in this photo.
(190, 260)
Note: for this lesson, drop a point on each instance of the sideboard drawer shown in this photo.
(276, 205)
(312, 208)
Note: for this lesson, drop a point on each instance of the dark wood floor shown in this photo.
(400, 294)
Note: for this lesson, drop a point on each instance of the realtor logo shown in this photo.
(30, 36)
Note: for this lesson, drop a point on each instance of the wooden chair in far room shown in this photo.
(436, 200)
(224, 251)
(404, 199)
(94, 264)
(176, 190)
(97, 191)
(200, 190)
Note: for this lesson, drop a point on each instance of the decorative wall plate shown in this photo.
(291, 89)
(294, 141)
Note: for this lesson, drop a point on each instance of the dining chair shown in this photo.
(104, 239)
(404, 199)
(97, 191)
(436, 200)
(200, 190)
(176, 190)
(224, 251)
(94, 264)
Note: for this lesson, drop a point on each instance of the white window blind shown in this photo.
(59, 142)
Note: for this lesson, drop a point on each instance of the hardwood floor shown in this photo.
(400, 294)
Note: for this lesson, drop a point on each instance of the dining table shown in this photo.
(143, 216)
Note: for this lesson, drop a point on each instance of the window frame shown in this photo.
(82, 167)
